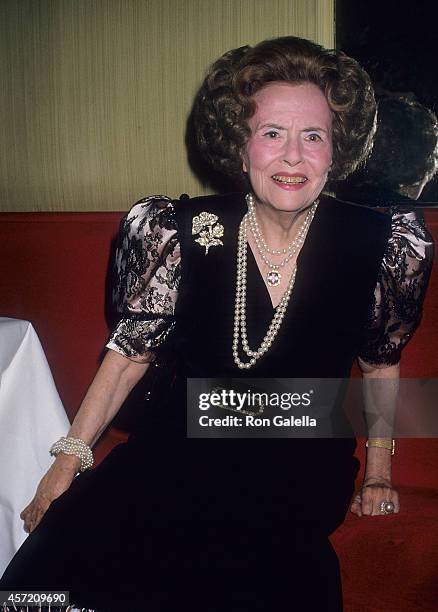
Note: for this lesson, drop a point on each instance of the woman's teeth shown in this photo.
(289, 179)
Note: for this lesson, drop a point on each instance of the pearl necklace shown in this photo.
(253, 222)
(273, 277)
(240, 303)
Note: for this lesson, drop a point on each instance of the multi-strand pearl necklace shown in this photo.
(240, 303)
(273, 277)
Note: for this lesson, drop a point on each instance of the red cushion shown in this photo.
(391, 562)
(52, 272)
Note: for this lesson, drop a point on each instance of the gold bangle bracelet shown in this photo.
(387, 443)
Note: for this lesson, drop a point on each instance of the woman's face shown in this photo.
(289, 151)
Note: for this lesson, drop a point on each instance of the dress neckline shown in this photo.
(299, 265)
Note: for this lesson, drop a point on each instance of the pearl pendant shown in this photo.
(273, 278)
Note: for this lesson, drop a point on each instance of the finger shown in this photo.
(25, 511)
(371, 497)
(367, 503)
(373, 503)
(32, 517)
(31, 525)
(378, 496)
(39, 512)
(26, 521)
(356, 509)
(36, 518)
(28, 524)
(37, 522)
(356, 506)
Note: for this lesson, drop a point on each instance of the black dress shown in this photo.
(168, 522)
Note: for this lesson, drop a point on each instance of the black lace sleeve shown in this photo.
(147, 276)
(400, 290)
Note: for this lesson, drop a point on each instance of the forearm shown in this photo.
(113, 382)
(380, 393)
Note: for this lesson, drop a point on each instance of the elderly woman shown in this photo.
(282, 282)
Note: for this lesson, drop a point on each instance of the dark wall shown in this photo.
(397, 43)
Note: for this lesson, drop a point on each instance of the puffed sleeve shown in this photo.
(400, 290)
(147, 274)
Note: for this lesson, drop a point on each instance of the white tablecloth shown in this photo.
(32, 417)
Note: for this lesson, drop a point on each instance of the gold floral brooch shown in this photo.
(210, 231)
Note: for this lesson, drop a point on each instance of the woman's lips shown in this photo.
(290, 182)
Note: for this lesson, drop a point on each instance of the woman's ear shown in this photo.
(329, 169)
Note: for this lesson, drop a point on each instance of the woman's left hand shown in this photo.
(370, 497)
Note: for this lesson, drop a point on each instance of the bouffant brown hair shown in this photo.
(225, 100)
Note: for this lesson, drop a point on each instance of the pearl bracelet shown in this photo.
(77, 447)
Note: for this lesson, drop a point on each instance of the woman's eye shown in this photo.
(271, 134)
(314, 138)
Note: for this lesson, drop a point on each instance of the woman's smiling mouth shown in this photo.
(289, 180)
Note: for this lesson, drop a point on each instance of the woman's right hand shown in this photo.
(57, 479)
(113, 382)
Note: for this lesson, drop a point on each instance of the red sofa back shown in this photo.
(54, 270)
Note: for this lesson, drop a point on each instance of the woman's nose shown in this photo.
(292, 153)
